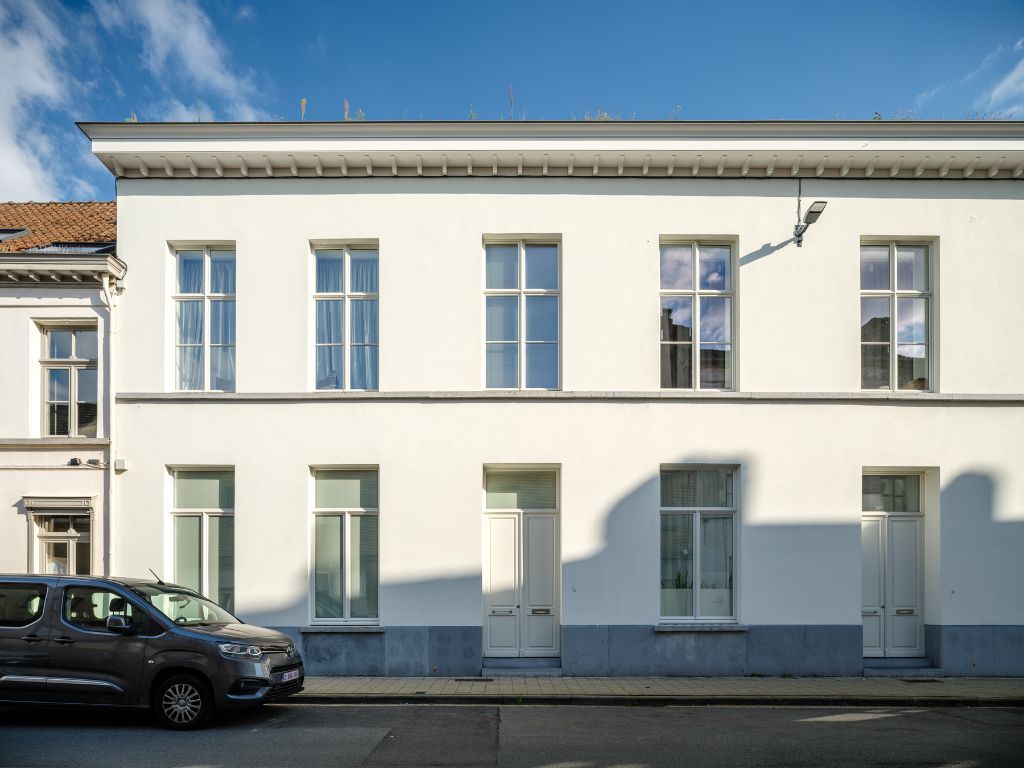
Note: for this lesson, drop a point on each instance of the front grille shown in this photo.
(286, 667)
(281, 690)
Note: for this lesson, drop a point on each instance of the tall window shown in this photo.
(698, 514)
(521, 297)
(346, 563)
(696, 316)
(346, 299)
(69, 380)
(204, 533)
(895, 299)
(205, 315)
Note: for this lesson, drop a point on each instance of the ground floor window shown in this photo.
(346, 562)
(204, 533)
(63, 543)
(698, 515)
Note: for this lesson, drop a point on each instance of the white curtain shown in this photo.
(190, 345)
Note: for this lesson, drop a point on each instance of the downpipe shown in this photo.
(111, 335)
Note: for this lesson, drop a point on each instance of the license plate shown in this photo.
(289, 676)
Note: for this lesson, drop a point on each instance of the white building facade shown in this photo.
(437, 397)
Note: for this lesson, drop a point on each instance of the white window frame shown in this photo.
(204, 529)
(71, 536)
(73, 365)
(521, 293)
(346, 296)
(696, 294)
(346, 513)
(206, 297)
(733, 512)
(893, 294)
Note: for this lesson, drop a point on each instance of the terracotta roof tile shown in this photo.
(58, 222)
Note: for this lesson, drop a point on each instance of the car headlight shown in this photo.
(238, 651)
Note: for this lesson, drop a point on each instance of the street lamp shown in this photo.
(813, 212)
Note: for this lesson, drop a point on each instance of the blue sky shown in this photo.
(394, 60)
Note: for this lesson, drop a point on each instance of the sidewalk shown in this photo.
(660, 691)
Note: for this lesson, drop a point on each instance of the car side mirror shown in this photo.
(120, 625)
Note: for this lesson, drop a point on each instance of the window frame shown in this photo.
(346, 296)
(346, 513)
(72, 536)
(695, 294)
(520, 293)
(733, 513)
(204, 514)
(73, 365)
(207, 297)
(893, 294)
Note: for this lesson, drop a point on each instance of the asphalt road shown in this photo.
(521, 735)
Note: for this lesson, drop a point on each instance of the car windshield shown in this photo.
(183, 606)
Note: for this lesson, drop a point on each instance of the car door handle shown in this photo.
(32, 638)
(64, 640)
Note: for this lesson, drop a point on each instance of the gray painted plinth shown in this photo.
(983, 651)
(637, 650)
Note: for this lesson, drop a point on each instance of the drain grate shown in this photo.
(921, 680)
(474, 679)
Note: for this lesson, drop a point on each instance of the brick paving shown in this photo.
(667, 690)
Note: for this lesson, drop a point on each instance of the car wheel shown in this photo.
(183, 702)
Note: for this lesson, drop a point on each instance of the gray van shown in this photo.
(136, 643)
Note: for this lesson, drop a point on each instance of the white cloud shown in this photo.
(986, 64)
(1019, 45)
(1008, 94)
(179, 42)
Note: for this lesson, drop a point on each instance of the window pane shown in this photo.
(713, 261)
(59, 345)
(222, 272)
(911, 268)
(502, 362)
(85, 345)
(187, 554)
(874, 366)
(364, 568)
(364, 271)
(364, 367)
(874, 318)
(502, 266)
(83, 558)
(677, 318)
(59, 385)
(328, 577)
(677, 565)
(874, 267)
(204, 489)
(190, 368)
(912, 319)
(330, 315)
(87, 402)
(21, 604)
(542, 366)
(329, 374)
(87, 419)
(527, 489)
(330, 267)
(190, 271)
(716, 565)
(364, 321)
(542, 318)
(891, 493)
(715, 366)
(502, 318)
(696, 488)
(346, 488)
(542, 266)
(222, 369)
(677, 366)
(220, 551)
(222, 322)
(716, 320)
(912, 366)
(677, 267)
(190, 322)
(58, 419)
(56, 558)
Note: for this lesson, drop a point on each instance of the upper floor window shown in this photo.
(895, 304)
(69, 380)
(521, 304)
(205, 318)
(696, 316)
(345, 298)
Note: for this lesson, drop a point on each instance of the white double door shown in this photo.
(521, 584)
(891, 585)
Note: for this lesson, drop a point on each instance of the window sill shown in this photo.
(59, 442)
(702, 627)
(342, 629)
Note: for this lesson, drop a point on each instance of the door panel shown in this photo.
(872, 585)
(903, 573)
(540, 585)
(501, 585)
(24, 641)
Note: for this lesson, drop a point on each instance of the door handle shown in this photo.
(64, 640)
(32, 638)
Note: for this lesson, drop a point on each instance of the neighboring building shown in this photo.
(434, 396)
(58, 274)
